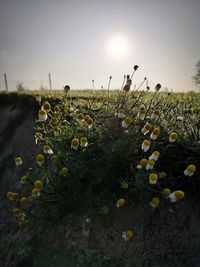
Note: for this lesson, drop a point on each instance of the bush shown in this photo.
(93, 154)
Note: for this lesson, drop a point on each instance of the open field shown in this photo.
(95, 202)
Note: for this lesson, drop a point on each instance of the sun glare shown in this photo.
(117, 47)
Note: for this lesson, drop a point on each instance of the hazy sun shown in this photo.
(117, 46)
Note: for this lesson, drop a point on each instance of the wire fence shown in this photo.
(23, 84)
(9, 84)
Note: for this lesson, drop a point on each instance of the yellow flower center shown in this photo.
(56, 108)
(153, 177)
(54, 158)
(155, 201)
(128, 120)
(38, 136)
(35, 191)
(174, 136)
(90, 121)
(16, 212)
(147, 126)
(64, 171)
(75, 142)
(38, 184)
(166, 192)
(151, 162)
(142, 111)
(191, 168)
(156, 153)
(46, 148)
(129, 234)
(143, 163)
(83, 139)
(14, 195)
(162, 175)
(24, 178)
(46, 106)
(156, 131)
(40, 158)
(179, 194)
(86, 118)
(42, 112)
(80, 116)
(9, 195)
(24, 201)
(156, 112)
(146, 142)
(124, 185)
(121, 202)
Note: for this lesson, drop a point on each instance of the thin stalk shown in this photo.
(133, 73)
(109, 82)
(154, 95)
(141, 83)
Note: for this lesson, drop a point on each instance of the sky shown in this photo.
(78, 41)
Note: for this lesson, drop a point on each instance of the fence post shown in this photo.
(50, 81)
(6, 81)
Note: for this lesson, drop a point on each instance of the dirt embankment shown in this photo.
(18, 114)
(17, 117)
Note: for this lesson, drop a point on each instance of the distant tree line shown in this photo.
(196, 77)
